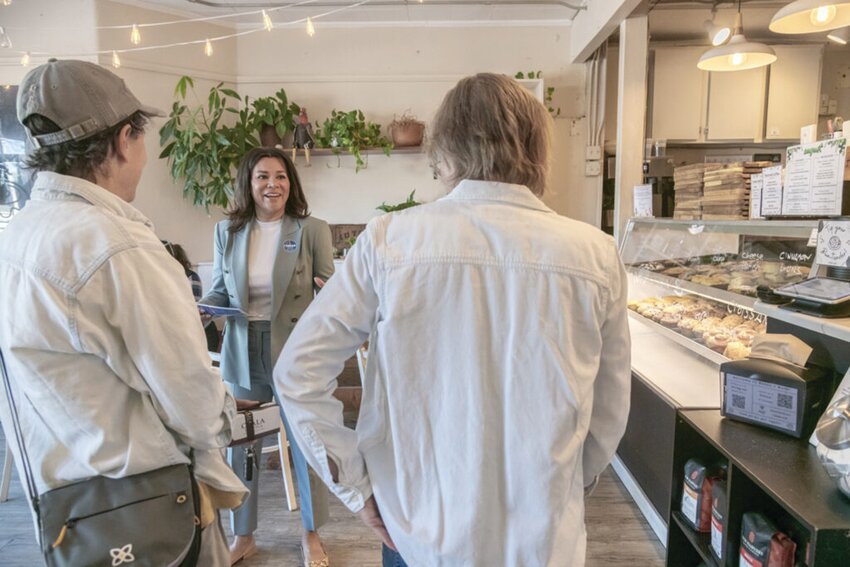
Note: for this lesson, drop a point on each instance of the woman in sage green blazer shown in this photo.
(267, 256)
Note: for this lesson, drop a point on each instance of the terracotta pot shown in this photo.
(269, 137)
(407, 133)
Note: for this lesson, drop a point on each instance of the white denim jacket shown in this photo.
(103, 344)
(497, 384)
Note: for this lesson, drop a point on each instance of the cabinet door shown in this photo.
(793, 92)
(736, 105)
(678, 93)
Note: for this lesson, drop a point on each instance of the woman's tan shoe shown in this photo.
(321, 562)
(240, 551)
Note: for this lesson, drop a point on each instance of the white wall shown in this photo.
(382, 71)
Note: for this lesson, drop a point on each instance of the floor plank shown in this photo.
(618, 536)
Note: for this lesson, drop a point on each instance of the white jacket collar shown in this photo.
(50, 186)
(472, 190)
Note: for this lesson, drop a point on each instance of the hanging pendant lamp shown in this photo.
(811, 16)
(841, 37)
(739, 54)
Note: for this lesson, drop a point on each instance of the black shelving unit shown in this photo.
(767, 472)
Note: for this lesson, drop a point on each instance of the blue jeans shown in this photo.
(391, 558)
(312, 493)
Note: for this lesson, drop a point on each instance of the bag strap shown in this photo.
(19, 437)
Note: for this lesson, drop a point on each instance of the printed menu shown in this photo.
(756, 184)
(771, 191)
(814, 177)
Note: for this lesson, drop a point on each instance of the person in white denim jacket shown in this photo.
(106, 356)
(497, 383)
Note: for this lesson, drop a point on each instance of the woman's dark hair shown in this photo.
(243, 201)
(179, 254)
(79, 158)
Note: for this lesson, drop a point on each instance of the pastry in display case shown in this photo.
(696, 282)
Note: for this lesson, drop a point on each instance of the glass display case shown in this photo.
(692, 290)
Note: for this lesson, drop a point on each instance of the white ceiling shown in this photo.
(378, 12)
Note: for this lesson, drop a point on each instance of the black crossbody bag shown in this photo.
(150, 519)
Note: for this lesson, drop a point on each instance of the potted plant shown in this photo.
(273, 117)
(407, 131)
(547, 95)
(351, 132)
(201, 149)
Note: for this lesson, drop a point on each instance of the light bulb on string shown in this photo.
(116, 61)
(5, 40)
(208, 49)
(135, 36)
(7, 2)
(311, 31)
(822, 15)
(267, 21)
(25, 59)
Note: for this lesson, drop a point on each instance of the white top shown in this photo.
(488, 403)
(105, 352)
(262, 250)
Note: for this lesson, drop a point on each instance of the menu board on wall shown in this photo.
(756, 184)
(814, 177)
(771, 191)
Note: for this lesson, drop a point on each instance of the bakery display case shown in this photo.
(695, 283)
(693, 289)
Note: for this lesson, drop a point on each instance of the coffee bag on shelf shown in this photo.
(696, 495)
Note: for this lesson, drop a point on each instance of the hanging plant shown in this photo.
(351, 132)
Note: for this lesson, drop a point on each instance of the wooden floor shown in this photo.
(617, 533)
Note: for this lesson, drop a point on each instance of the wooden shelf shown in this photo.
(700, 541)
(322, 152)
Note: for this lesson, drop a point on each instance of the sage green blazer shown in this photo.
(304, 252)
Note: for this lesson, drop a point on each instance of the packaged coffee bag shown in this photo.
(696, 495)
(762, 545)
(718, 518)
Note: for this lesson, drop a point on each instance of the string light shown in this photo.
(5, 40)
(208, 48)
(267, 21)
(116, 61)
(135, 36)
(7, 2)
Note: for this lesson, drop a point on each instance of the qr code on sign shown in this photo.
(784, 401)
(738, 401)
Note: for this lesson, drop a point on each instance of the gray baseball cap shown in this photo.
(82, 98)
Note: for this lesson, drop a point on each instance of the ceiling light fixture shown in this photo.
(717, 34)
(840, 36)
(739, 54)
(811, 16)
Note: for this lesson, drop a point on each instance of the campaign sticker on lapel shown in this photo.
(290, 245)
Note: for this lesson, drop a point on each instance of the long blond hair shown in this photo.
(491, 128)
